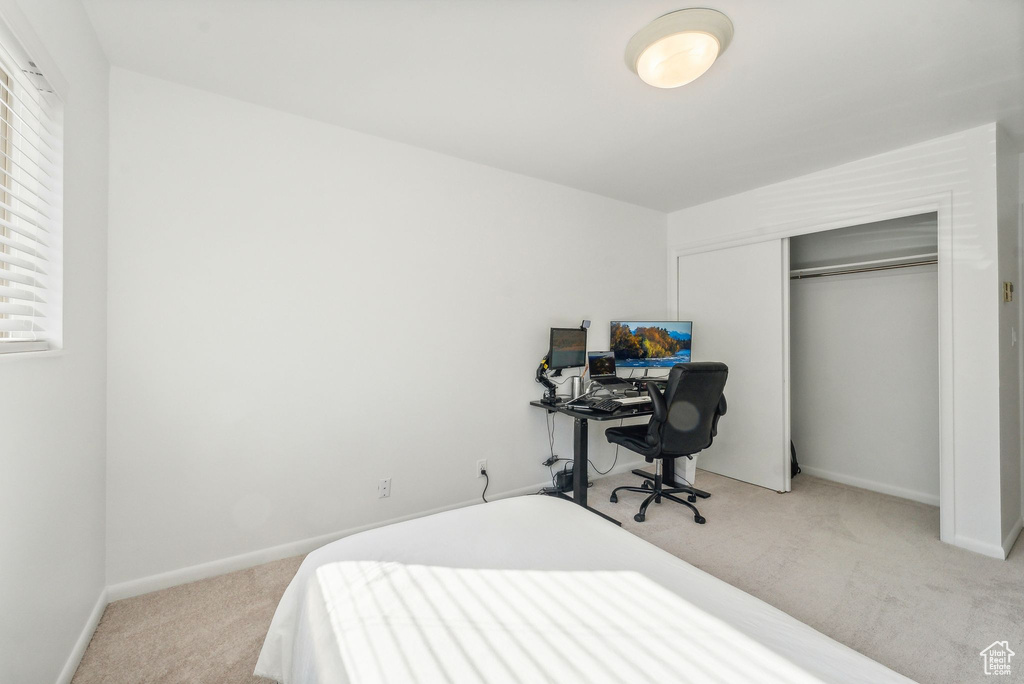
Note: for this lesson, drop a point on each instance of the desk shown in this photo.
(580, 464)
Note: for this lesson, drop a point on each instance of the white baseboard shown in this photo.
(164, 580)
(83, 640)
(984, 548)
(881, 487)
(1011, 538)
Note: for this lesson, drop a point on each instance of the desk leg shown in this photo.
(579, 461)
(580, 478)
(592, 510)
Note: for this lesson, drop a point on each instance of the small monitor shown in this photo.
(651, 344)
(568, 348)
(601, 364)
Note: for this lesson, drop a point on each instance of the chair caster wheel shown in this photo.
(692, 498)
(646, 484)
(699, 519)
(614, 499)
(638, 517)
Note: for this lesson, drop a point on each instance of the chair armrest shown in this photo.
(657, 402)
(723, 406)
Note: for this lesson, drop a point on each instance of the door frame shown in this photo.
(940, 204)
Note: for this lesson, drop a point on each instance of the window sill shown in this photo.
(23, 347)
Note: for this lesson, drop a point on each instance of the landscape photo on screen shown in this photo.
(568, 347)
(640, 344)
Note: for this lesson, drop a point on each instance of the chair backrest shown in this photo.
(693, 402)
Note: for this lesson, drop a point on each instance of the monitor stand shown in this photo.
(550, 388)
(550, 399)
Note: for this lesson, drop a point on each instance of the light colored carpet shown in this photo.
(209, 631)
(864, 568)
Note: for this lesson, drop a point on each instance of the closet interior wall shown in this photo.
(864, 356)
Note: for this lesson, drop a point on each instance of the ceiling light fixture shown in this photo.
(677, 48)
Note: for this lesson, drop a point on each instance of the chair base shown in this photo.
(693, 491)
(656, 494)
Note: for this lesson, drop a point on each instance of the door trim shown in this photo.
(787, 408)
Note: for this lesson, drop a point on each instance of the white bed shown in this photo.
(404, 603)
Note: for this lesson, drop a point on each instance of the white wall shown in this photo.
(297, 310)
(52, 405)
(962, 168)
(865, 380)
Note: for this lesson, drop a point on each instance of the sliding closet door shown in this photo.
(736, 300)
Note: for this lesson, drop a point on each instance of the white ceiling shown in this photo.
(540, 86)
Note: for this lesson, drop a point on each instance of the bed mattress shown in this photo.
(391, 604)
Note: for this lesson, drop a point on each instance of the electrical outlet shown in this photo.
(384, 488)
(481, 466)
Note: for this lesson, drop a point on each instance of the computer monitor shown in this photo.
(568, 348)
(651, 344)
(601, 363)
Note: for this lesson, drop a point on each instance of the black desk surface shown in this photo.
(624, 412)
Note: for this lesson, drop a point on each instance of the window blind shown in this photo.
(31, 163)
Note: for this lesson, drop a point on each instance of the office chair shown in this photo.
(685, 421)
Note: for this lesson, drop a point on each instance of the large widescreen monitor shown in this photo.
(651, 344)
(568, 348)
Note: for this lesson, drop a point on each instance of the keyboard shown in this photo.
(605, 406)
(609, 405)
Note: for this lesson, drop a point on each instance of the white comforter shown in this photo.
(532, 589)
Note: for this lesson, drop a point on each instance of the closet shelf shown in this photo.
(865, 266)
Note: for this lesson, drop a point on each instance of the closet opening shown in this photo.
(864, 356)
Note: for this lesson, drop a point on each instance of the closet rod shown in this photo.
(865, 269)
